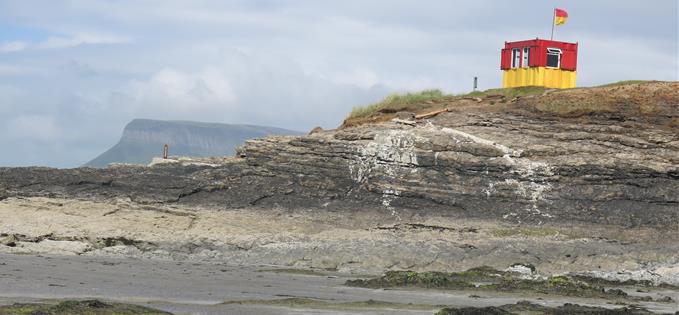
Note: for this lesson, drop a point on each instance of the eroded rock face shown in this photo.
(554, 174)
(523, 162)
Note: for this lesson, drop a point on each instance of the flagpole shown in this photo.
(553, 21)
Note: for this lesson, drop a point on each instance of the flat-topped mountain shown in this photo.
(143, 139)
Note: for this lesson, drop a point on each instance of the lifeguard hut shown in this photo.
(539, 62)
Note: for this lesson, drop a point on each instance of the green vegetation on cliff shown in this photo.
(574, 102)
(397, 102)
(416, 101)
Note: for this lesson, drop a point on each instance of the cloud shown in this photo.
(78, 68)
(9, 70)
(13, 46)
(60, 42)
(264, 89)
(360, 77)
(616, 59)
(34, 128)
(57, 42)
(171, 91)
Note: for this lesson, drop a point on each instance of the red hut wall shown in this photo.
(538, 53)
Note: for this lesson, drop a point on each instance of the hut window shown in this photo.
(553, 57)
(516, 58)
(526, 54)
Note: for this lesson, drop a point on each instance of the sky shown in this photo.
(74, 73)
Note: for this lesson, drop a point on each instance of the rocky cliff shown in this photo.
(143, 139)
(606, 155)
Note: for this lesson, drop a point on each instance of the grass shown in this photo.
(397, 102)
(414, 101)
(509, 92)
(626, 82)
(561, 104)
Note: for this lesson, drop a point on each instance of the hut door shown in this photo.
(516, 58)
(526, 55)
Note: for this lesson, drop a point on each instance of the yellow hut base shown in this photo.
(539, 76)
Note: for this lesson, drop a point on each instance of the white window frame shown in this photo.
(525, 57)
(558, 53)
(516, 58)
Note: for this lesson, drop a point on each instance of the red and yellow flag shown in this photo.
(560, 16)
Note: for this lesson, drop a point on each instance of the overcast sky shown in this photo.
(73, 73)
